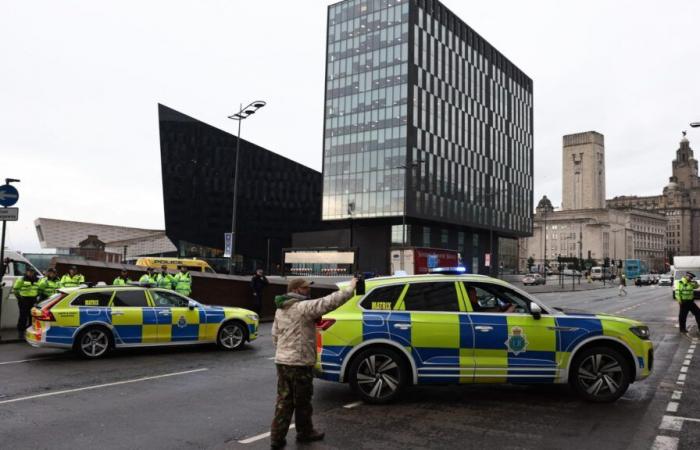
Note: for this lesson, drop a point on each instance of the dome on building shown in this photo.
(671, 186)
(545, 205)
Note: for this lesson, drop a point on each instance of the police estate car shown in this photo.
(94, 320)
(474, 329)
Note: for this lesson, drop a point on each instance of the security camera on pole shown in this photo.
(8, 197)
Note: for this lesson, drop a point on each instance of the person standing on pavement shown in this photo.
(257, 284)
(148, 277)
(26, 289)
(164, 279)
(623, 283)
(72, 278)
(294, 336)
(122, 279)
(183, 281)
(49, 284)
(685, 295)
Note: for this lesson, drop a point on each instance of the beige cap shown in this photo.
(298, 283)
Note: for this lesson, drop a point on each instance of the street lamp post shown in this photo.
(242, 114)
(411, 166)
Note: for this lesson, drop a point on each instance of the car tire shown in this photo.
(378, 375)
(231, 336)
(600, 374)
(94, 342)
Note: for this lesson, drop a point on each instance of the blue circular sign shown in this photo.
(8, 195)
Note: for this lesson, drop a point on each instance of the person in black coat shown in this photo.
(257, 284)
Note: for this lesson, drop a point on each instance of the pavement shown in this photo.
(198, 397)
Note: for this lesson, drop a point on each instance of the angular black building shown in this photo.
(425, 122)
(276, 196)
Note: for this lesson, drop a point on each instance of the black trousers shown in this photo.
(257, 302)
(25, 305)
(686, 307)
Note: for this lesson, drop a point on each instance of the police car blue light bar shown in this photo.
(448, 270)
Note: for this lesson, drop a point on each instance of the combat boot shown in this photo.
(311, 437)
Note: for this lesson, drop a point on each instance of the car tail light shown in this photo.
(324, 324)
(44, 313)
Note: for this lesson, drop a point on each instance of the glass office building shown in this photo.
(424, 118)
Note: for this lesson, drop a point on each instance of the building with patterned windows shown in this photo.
(679, 202)
(425, 122)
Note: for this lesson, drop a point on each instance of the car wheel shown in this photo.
(93, 342)
(231, 336)
(600, 374)
(378, 375)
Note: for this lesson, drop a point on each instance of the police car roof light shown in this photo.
(459, 270)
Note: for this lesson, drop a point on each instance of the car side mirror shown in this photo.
(191, 304)
(535, 310)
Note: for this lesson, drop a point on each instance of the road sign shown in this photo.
(228, 244)
(8, 195)
(9, 214)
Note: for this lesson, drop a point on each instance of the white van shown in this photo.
(8, 305)
(683, 264)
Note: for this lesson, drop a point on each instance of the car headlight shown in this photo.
(253, 317)
(642, 332)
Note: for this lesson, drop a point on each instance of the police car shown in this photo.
(94, 320)
(474, 329)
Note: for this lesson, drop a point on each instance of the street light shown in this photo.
(695, 124)
(242, 114)
(411, 166)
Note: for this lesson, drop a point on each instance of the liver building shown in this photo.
(679, 202)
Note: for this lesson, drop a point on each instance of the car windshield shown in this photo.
(680, 272)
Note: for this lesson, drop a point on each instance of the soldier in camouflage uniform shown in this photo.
(294, 335)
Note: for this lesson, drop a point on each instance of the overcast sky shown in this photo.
(80, 82)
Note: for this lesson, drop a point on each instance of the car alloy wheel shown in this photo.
(600, 374)
(231, 336)
(94, 343)
(378, 374)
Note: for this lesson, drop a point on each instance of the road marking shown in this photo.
(665, 443)
(99, 386)
(676, 395)
(684, 369)
(686, 362)
(25, 360)
(682, 377)
(672, 407)
(352, 405)
(258, 437)
(672, 423)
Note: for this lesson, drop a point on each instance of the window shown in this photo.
(169, 299)
(431, 297)
(486, 297)
(93, 299)
(383, 298)
(130, 298)
(20, 268)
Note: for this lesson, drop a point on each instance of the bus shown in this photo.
(633, 268)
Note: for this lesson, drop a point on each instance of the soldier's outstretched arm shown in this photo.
(314, 309)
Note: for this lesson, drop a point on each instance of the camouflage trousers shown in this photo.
(295, 387)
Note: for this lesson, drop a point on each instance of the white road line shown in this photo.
(682, 377)
(680, 383)
(258, 437)
(672, 407)
(676, 395)
(672, 423)
(25, 360)
(684, 369)
(665, 443)
(686, 362)
(352, 405)
(99, 386)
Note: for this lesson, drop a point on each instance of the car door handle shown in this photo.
(483, 328)
(402, 326)
(164, 313)
(117, 313)
(562, 328)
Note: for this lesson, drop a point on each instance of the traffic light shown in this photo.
(606, 262)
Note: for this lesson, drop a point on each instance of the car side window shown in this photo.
(383, 298)
(486, 297)
(135, 299)
(168, 299)
(441, 296)
(93, 299)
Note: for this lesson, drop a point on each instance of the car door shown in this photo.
(510, 345)
(133, 318)
(441, 335)
(176, 321)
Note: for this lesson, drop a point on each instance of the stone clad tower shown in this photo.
(685, 166)
(583, 171)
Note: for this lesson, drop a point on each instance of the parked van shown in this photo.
(193, 265)
(599, 273)
(8, 304)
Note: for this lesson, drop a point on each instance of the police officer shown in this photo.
(49, 284)
(257, 284)
(164, 279)
(183, 281)
(685, 295)
(148, 277)
(122, 279)
(72, 278)
(26, 290)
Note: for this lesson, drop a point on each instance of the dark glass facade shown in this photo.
(423, 117)
(276, 196)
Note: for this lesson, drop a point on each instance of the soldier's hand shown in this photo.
(353, 283)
